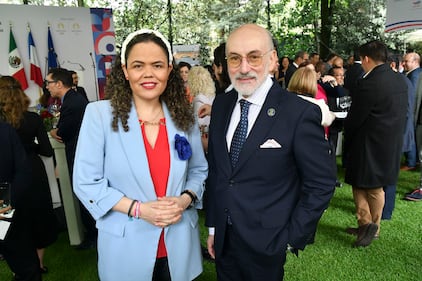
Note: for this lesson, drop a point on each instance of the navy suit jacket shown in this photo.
(71, 114)
(352, 75)
(274, 196)
(81, 91)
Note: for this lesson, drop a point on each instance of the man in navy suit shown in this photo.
(59, 82)
(353, 74)
(284, 177)
(411, 65)
(78, 89)
(300, 57)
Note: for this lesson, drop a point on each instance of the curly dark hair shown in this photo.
(13, 101)
(120, 94)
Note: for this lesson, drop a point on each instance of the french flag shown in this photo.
(36, 75)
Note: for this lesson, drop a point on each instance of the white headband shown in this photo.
(144, 31)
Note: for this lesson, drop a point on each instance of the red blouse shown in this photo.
(159, 167)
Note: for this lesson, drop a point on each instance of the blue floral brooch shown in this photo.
(183, 148)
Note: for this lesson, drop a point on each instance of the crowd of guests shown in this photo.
(252, 139)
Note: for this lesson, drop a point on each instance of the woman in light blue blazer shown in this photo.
(140, 168)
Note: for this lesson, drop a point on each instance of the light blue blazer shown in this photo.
(110, 165)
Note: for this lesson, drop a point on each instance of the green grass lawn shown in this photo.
(397, 255)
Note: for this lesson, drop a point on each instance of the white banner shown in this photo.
(403, 14)
(72, 37)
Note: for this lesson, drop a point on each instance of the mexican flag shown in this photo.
(36, 75)
(15, 63)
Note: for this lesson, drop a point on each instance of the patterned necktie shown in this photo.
(239, 136)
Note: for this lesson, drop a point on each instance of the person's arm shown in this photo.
(90, 184)
(54, 135)
(327, 116)
(197, 167)
(4, 210)
(204, 110)
(44, 145)
(315, 164)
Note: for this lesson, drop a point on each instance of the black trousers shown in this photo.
(239, 263)
(20, 254)
(161, 270)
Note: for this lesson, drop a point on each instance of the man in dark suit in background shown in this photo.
(411, 65)
(80, 90)
(271, 191)
(17, 248)
(374, 129)
(300, 57)
(59, 83)
(353, 74)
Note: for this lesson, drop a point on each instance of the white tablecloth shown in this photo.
(54, 187)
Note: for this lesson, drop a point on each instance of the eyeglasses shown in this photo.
(46, 82)
(253, 59)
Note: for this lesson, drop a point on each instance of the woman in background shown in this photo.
(202, 88)
(304, 83)
(184, 69)
(284, 65)
(17, 247)
(37, 211)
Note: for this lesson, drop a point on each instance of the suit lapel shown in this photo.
(221, 143)
(262, 126)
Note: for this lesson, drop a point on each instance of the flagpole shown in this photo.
(97, 93)
(46, 67)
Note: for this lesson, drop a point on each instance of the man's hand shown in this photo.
(204, 110)
(4, 210)
(210, 246)
(54, 135)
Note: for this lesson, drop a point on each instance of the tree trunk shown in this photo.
(81, 3)
(326, 25)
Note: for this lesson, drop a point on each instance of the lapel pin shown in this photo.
(271, 112)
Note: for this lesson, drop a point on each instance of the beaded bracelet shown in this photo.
(137, 210)
(129, 212)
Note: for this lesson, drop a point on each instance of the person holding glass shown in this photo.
(140, 168)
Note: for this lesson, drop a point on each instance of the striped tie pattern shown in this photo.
(240, 133)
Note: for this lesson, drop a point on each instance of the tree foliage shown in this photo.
(321, 26)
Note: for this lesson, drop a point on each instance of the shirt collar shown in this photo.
(258, 97)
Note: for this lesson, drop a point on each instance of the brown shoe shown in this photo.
(407, 168)
(352, 230)
(355, 231)
(366, 235)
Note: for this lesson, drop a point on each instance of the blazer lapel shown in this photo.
(262, 126)
(133, 146)
(178, 167)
